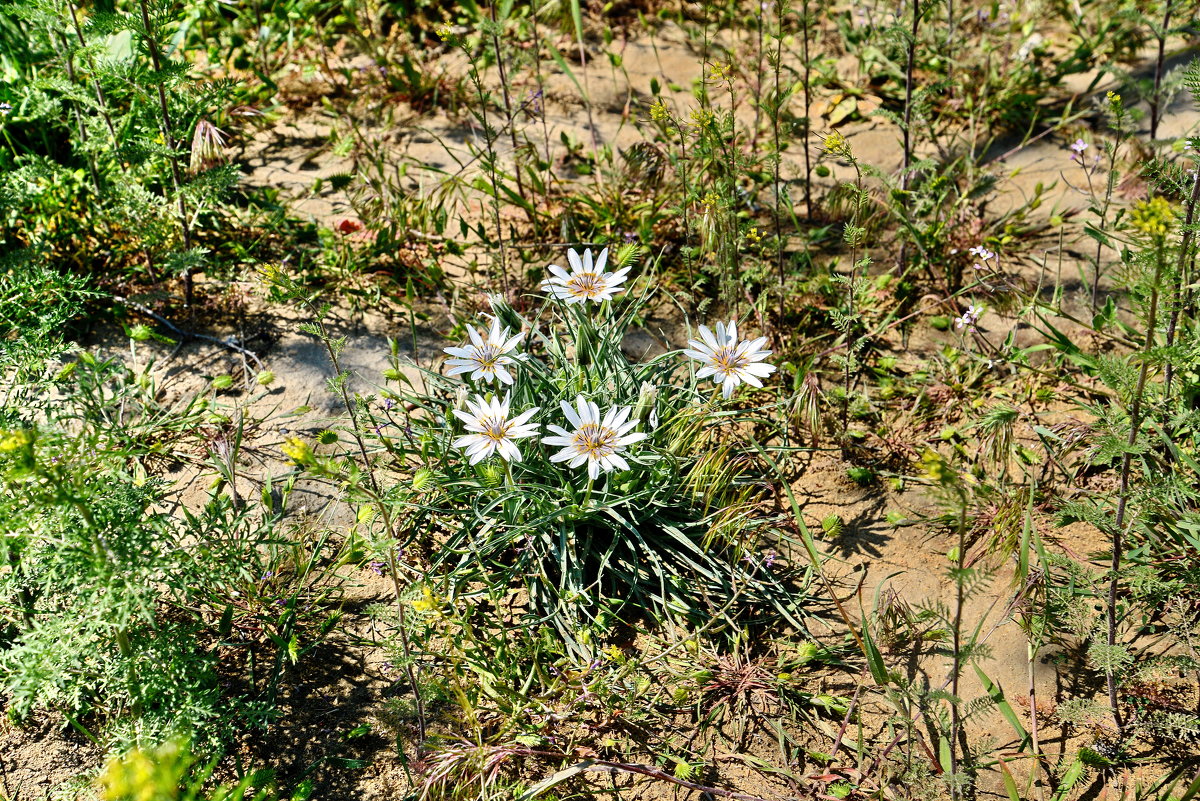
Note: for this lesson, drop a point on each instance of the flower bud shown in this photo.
(504, 311)
(423, 479)
(647, 399)
(492, 474)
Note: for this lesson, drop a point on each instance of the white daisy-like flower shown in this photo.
(586, 281)
(729, 362)
(596, 440)
(490, 430)
(486, 359)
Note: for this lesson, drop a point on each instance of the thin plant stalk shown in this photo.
(1110, 187)
(171, 144)
(541, 88)
(1181, 275)
(850, 289)
(776, 65)
(1135, 423)
(960, 567)
(81, 127)
(805, 36)
(760, 20)
(385, 513)
(489, 138)
(1155, 98)
(907, 129)
(512, 125)
(101, 99)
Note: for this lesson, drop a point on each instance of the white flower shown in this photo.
(595, 440)
(586, 281)
(485, 359)
(982, 253)
(727, 360)
(491, 431)
(969, 318)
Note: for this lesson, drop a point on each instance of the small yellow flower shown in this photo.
(710, 201)
(753, 237)
(702, 117)
(271, 273)
(658, 111)
(836, 145)
(428, 603)
(15, 440)
(299, 451)
(1153, 217)
(720, 71)
(936, 469)
(444, 31)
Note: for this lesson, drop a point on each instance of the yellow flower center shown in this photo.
(488, 355)
(729, 359)
(594, 440)
(494, 428)
(587, 285)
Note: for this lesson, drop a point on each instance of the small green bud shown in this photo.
(423, 479)
(492, 474)
(140, 332)
(807, 652)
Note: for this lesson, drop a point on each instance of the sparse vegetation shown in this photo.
(765, 400)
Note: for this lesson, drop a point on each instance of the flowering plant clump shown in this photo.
(606, 488)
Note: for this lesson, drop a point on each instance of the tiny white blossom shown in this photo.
(730, 362)
(596, 440)
(587, 279)
(982, 253)
(969, 318)
(486, 359)
(490, 431)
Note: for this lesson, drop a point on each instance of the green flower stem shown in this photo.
(1135, 423)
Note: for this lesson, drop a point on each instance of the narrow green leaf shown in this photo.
(997, 695)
